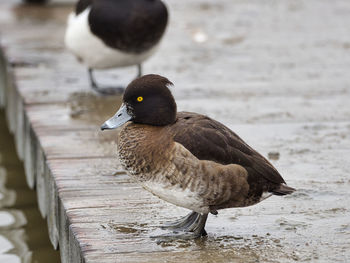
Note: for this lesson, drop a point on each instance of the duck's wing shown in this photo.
(131, 26)
(208, 139)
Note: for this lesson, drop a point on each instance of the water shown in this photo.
(23, 232)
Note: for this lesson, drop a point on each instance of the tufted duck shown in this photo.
(186, 158)
(106, 34)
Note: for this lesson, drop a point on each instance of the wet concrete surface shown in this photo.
(276, 72)
(23, 232)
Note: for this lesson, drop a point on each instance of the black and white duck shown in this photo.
(106, 34)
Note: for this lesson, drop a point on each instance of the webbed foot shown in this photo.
(188, 227)
(104, 90)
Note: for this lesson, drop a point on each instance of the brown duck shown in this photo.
(186, 158)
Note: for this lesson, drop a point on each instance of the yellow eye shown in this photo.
(139, 99)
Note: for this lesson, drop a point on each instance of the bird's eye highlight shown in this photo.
(139, 99)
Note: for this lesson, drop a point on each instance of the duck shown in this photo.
(105, 34)
(186, 158)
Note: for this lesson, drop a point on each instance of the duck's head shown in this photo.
(146, 100)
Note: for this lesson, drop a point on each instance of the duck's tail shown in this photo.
(283, 189)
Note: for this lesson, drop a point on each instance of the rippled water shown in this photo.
(23, 233)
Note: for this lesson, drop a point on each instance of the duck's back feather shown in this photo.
(130, 26)
(208, 139)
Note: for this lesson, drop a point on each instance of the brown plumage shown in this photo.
(186, 158)
(208, 139)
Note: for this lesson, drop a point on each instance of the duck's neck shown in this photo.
(143, 149)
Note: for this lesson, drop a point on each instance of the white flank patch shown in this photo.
(176, 196)
(93, 52)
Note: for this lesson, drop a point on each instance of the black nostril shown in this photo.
(119, 115)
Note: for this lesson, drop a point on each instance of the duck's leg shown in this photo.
(92, 79)
(197, 227)
(190, 227)
(104, 90)
(186, 220)
(139, 70)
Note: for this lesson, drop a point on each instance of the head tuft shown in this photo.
(150, 101)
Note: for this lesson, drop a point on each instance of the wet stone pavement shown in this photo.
(276, 72)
